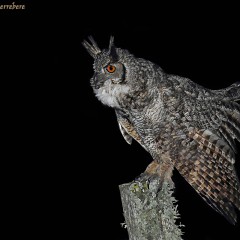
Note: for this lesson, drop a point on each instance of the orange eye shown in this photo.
(111, 68)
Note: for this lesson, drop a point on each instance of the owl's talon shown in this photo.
(146, 177)
(143, 177)
(139, 186)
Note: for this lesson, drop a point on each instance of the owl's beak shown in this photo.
(116, 80)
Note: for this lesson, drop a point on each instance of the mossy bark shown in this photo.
(150, 210)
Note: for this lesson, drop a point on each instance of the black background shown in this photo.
(67, 156)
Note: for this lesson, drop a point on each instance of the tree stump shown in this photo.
(150, 210)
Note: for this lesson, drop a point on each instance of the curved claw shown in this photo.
(146, 177)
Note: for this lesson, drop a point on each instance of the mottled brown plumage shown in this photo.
(180, 123)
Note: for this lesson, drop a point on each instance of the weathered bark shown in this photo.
(150, 211)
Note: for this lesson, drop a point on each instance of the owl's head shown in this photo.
(118, 75)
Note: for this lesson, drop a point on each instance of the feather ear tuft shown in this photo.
(92, 48)
(112, 50)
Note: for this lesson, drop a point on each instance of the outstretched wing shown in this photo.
(206, 163)
(212, 120)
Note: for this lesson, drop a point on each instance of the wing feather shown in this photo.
(126, 136)
(208, 168)
(127, 129)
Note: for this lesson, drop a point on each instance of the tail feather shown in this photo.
(228, 138)
(230, 107)
(235, 122)
(231, 93)
(230, 124)
(235, 133)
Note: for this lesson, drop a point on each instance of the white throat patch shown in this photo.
(110, 92)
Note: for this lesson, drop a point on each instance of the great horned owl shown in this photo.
(180, 123)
